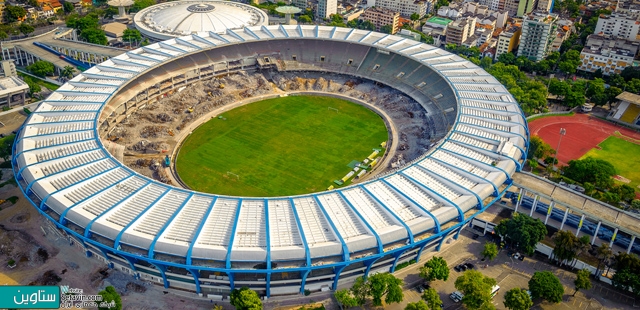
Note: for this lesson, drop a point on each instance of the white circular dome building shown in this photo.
(178, 18)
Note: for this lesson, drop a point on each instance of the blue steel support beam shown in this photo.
(443, 237)
(301, 231)
(435, 220)
(268, 239)
(409, 232)
(87, 229)
(116, 243)
(345, 250)
(163, 273)
(42, 204)
(495, 188)
(396, 257)
(197, 232)
(337, 271)
(305, 274)
(173, 216)
(380, 245)
(63, 215)
(196, 279)
(424, 244)
(455, 237)
(131, 261)
(233, 235)
(369, 264)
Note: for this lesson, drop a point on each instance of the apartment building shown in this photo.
(618, 25)
(406, 7)
(508, 39)
(607, 53)
(538, 32)
(460, 30)
(520, 8)
(381, 17)
(326, 8)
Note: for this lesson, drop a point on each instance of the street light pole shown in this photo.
(555, 158)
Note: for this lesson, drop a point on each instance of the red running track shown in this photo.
(583, 133)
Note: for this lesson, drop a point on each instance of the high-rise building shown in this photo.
(405, 7)
(520, 8)
(618, 25)
(538, 31)
(381, 17)
(302, 4)
(545, 5)
(326, 8)
(460, 30)
(508, 39)
(609, 54)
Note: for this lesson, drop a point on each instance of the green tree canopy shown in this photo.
(418, 305)
(139, 5)
(345, 298)
(41, 68)
(476, 288)
(68, 7)
(531, 94)
(522, 232)
(559, 88)
(109, 294)
(627, 276)
(565, 246)
(385, 285)
(130, 35)
(435, 269)
(582, 281)
(546, 285)
(305, 19)
(414, 16)
(507, 58)
(517, 299)
(95, 36)
(14, 13)
(386, 29)
(245, 299)
(33, 87)
(432, 299)
(67, 71)
(539, 149)
(596, 171)
(490, 250)
(26, 29)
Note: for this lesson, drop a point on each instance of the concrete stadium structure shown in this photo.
(276, 245)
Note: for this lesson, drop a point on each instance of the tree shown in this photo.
(596, 91)
(3, 35)
(110, 12)
(130, 35)
(68, 7)
(245, 299)
(33, 87)
(5, 147)
(569, 62)
(490, 250)
(95, 36)
(67, 72)
(546, 285)
(337, 20)
(507, 58)
(41, 68)
(574, 99)
(415, 16)
(386, 29)
(345, 298)
(582, 281)
(432, 299)
(385, 285)
(612, 92)
(559, 88)
(139, 5)
(588, 188)
(596, 171)
(517, 299)
(635, 204)
(627, 276)
(360, 290)
(305, 19)
(26, 29)
(565, 246)
(418, 305)
(109, 294)
(435, 269)
(486, 62)
(476, 289)
(539, 149)
(14, 13)
(522, 232)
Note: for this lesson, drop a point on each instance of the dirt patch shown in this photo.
(20, 218)
(48, 278)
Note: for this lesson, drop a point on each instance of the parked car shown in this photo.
(456, 296)
(460, 268)
(470, 266)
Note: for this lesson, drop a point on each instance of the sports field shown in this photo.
(623, 155)
(277, 147)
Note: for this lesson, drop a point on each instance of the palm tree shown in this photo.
(565, 245)
(581, 247)
(67, 72)
(604, 255)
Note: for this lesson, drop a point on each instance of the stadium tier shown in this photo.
(275, 245)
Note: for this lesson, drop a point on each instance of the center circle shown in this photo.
(201, 8)
(279, 147)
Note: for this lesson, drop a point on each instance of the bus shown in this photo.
(494, 291)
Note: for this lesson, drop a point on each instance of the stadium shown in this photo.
(211, 244)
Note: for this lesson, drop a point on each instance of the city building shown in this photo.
(450, 11)
(508, 39)
(381, 17)
(352, 15)
(538, 32)
(12, 89)
(460, 30)
(436, 27)
(408, 34)
(493, 5)
(629, 7)
(520, 7)
(619, 25)
(545, 5)
(405, 7)
(626, 110)
(302, 4)
(326, 8)
(8, 68)
(607, 53)
(564, 30)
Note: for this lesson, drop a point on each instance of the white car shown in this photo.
(456, 296)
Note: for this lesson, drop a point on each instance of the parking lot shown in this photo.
(509, 273)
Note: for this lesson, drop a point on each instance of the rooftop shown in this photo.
(11, 84)
(629, 97)
(439, 21)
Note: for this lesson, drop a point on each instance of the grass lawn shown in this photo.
(623, 155)
(40, 82)
(277, 147)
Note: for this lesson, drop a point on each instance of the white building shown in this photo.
(538, 32)
(326, 8)
(404, 7)
(618, 25)
(609, 54)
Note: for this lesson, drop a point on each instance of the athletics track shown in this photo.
(583, 133)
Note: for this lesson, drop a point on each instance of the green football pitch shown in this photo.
(278, 147)
(623, 155)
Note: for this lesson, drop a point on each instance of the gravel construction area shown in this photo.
(152, 132)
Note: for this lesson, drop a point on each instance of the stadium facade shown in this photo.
(277, 245)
